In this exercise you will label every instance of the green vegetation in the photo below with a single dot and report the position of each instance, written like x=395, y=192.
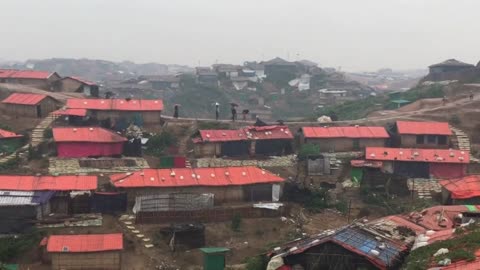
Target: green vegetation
x=157, y=144
x=462, y=247
x=308, y=149
x=48, y=133
x=213, y=125
x=281, y=78
x=357, y=109
x=10, y=165
x=257, y=263
x=13, y=247
x=236, y=223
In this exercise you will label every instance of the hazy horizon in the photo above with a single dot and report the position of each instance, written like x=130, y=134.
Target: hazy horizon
x=354, y=35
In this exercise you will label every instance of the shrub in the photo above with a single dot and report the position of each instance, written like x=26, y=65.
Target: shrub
x=48, y=133
x=454, y=120
x=158, y=143
x=308, y=149
x=257, y=263
x=236, y=223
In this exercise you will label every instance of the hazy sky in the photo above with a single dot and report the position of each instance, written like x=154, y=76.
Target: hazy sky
x=352, y=34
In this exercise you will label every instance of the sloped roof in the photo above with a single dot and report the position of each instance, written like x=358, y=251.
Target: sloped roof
x=55, y=183
x=24, y=74
x=247, y=133
x=184, y=177
x=85, y=243
x=24, y=99
x=463, y=188
x=5, y=134
x=116, y=104
x=417, y=155
x=71, y=112
x=345, y=132
x=24, y=197
x=86, y=134
x=452, y=63
x=78, y=79
x=423, y=128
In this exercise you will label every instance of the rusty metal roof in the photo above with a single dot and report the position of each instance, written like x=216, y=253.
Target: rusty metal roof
x=423, y=128
x=24, y=99
x=86, y=134
x=56, y=183
x=355, y=132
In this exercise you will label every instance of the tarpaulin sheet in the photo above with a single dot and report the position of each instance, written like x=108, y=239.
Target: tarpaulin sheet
x=445, y=171
x=173, y=201
x=109, y=203
x=357, y=175
x=80, y=149
x=179, y=162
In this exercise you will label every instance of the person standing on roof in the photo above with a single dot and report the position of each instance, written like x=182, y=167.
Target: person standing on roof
x=175, y=111
x=217, y=110
x=244, y=114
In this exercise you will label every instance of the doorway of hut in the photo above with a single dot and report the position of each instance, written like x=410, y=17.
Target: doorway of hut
x=39, y=111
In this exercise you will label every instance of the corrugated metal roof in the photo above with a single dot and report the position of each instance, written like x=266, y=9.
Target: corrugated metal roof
x=417, y=155
x=24, y=198
x=57, y=183
x=428, y=218
x=268, y=132
x=71, y=112
x=116, y=104
x=355, y=132
x=85, y=243
x=5, y=134
x=244, y=134
x=24, y=74
x=183, y=177
x=86, y=134
x=222, y=135
x=463, y=188
x=423, y=128
x=24, y=99
x=78, y=79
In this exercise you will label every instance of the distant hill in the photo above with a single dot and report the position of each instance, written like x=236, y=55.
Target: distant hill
x=97, y=70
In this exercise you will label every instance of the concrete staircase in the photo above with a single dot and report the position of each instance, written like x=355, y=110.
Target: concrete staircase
x=462, y=142
x=35, y=139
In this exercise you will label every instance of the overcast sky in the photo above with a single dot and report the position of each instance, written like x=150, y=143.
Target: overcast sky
x=352, y=34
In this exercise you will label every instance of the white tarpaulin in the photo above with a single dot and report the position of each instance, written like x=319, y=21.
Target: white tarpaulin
x=275, y=193
x=272, y=206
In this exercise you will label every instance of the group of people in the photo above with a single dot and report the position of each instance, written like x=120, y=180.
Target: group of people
x=234, y=106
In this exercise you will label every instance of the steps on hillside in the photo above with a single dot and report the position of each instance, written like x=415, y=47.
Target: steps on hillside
x=462, y=142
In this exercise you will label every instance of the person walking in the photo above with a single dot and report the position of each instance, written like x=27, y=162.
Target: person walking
x=471, y=95
x=244, y=114
x=217, y=110
x=175, y=111
x=234, y=113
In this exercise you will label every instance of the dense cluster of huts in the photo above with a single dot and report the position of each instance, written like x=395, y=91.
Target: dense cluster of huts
x=420, y=150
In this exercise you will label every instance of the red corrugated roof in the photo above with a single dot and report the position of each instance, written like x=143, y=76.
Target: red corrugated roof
x=24, y=99
x=345, y=132
x=24, y=74
x=5, y=134
x=423, y=128
x=80, y=80
x=59, y=183
x=222, y=135
x=71, y=112
x=183, y=177
x=247, y=133
x=85, y=243
x=429, y=218
x=268, y=132
x=463, y=188
x=86, y=134
x=417, y=155
x=116, y=104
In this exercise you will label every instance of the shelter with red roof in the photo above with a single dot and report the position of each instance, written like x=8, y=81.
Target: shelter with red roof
x=344, y=139
x=272, y=140
x=225, y=184
x=137, y=111
x=24, y=198
x=74, y=84
x=463, y=190
x=423, y=134
x=85, y=251
x=9, y=141
x=29, y=105
x=420, y=163
x=76, y=142
x=35, y=78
